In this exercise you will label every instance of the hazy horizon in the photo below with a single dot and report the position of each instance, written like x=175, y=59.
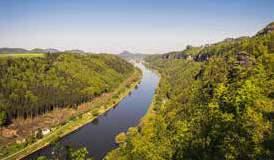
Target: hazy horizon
x=137, y=26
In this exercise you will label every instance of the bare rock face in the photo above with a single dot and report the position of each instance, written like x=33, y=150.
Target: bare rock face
x=202, y=57
x=242, y=58
x=228, y=39
x=268, y=29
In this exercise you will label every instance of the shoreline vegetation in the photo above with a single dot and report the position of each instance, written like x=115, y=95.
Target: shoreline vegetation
x=106, y=102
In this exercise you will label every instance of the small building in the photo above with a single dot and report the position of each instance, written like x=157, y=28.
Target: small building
x=45, y=131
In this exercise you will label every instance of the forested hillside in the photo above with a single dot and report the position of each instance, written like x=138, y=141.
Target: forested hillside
x=30, y=86
x=215, y=102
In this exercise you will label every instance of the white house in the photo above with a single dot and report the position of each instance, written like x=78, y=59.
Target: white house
x=45, y=131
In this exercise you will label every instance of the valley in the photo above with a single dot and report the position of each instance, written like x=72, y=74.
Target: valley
x=137, y=80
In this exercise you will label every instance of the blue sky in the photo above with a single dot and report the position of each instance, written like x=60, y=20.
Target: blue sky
x=144, y=26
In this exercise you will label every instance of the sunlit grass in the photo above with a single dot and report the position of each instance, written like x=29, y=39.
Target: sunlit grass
x=23, y=55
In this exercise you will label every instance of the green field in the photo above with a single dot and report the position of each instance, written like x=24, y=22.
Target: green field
x=22, y=55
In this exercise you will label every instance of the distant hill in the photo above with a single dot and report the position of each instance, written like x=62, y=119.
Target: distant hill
x=125, y=53
x=21, y=50
x=75, y=51
x=51, y=50
x=48, y=50
x=128, y=55
x=38, y=50
x=12, y=50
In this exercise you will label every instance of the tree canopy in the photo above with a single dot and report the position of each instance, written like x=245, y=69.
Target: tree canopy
x=30, y=86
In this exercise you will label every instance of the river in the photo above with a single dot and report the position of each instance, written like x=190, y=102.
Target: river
x=99, y=136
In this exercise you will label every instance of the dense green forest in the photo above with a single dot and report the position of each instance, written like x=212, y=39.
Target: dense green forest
x=30, y=86
x=213, y=102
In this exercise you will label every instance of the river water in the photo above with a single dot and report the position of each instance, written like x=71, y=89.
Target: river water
x=99, y=136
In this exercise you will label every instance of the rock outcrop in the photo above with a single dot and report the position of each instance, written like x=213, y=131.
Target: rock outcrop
x=268, y=29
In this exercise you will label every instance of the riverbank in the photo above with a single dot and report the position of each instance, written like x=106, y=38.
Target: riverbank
x=150, y=112
x=98, y=107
